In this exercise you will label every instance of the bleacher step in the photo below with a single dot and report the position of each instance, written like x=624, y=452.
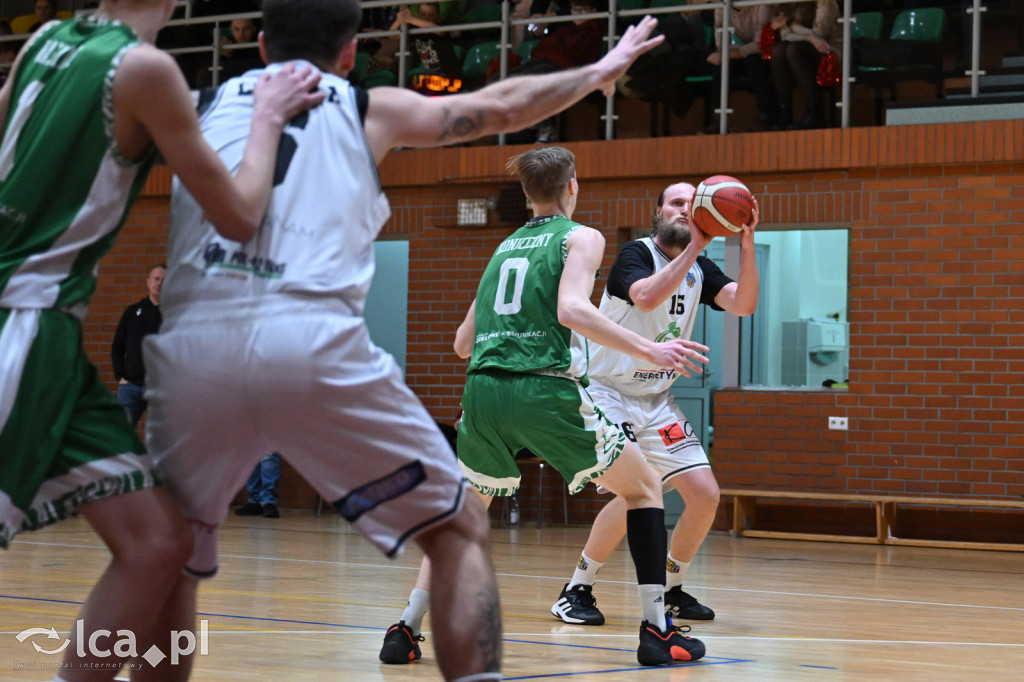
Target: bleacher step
x=956, y=110
x=1014, y=61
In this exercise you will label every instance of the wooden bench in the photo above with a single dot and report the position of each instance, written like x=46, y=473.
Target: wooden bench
x=744, y=517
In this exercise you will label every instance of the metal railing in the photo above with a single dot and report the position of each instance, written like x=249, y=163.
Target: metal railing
x=506, y=25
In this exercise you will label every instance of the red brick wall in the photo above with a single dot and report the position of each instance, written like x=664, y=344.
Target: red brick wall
x=936, y=289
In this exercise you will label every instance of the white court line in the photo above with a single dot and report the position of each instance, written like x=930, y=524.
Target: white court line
x=561, y=579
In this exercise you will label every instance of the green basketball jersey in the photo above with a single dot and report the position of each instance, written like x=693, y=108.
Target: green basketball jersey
x=516, y=323
x=64, y=188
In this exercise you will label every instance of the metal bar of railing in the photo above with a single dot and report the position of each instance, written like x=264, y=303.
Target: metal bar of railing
x=976, y=73
x=726, y=48
x=844, y=98
x=506, y=43
x=610, y=116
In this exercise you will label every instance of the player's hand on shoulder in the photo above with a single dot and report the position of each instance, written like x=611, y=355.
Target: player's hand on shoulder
x=685, y=356
x=288, y=92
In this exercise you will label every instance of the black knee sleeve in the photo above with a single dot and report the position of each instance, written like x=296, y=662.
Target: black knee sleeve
x=648, y=543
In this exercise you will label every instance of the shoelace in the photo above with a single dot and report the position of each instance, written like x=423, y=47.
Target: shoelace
x=681, y=630
x=584, y=596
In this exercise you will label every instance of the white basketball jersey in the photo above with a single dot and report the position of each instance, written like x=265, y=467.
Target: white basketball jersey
x=673, y=319
x=327, y=207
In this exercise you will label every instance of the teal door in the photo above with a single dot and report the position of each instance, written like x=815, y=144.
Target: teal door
x=387, y=302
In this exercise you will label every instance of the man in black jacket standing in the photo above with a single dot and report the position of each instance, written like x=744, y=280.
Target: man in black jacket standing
x=138, y=320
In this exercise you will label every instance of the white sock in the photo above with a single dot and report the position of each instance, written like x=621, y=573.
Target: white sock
x=675, y=572
x=586, y=571
x=416, y=609
x=652, y=598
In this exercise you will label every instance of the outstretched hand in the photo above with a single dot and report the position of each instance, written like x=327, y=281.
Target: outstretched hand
x=634, y=42
x=288, y=92
x=681, y=355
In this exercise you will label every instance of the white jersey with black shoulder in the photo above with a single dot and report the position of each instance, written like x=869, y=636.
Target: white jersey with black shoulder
x=326, y=209
x=674, y=319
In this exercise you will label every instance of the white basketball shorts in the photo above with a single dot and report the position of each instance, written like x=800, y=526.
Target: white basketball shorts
x=227, y=384
x=657, y=425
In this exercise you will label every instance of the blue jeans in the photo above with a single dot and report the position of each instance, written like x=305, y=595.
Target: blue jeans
x=130, y=397
x=262, y=484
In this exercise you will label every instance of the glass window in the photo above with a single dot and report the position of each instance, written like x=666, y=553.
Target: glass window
x=799, y=335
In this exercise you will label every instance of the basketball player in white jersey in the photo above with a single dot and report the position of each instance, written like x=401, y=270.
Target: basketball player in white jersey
x=654, y=289
x=88, y=103
x=263, y=345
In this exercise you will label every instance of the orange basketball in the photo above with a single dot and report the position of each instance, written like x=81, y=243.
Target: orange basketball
x=721, y=206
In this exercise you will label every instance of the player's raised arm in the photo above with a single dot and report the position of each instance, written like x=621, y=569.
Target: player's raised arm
x=740, y=297
x=398, y=117
x=152, y=103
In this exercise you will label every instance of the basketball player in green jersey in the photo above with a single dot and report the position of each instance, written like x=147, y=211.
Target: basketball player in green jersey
x=526, y=388
x=88, y=102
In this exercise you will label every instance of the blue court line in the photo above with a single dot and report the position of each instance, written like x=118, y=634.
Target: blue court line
x=50, y=601
x=820, y=667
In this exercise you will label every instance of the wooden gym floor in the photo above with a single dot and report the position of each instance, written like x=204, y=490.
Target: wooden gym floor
x=301, y=598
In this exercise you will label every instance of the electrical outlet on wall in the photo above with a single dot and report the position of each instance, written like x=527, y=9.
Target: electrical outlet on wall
x=838, y=424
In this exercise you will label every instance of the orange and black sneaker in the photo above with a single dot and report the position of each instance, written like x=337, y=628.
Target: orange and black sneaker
x=659, y=647
x=400, y=645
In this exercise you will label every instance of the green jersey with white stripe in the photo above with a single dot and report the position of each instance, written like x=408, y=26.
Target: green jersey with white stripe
x=516, y=323
x=64, y=188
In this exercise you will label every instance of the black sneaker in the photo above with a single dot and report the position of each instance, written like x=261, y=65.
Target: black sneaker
x=577, y=606
x=400, y=646
x=270, y=511
x=662, y=647
x=249, y=509
x=682, y=606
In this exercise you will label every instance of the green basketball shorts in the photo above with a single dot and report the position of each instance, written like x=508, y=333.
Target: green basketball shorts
x=64, y=440
x=551, y=416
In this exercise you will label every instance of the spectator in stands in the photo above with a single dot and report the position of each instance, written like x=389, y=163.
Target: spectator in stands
x=747, y=22
x=570, y=44
x=567, y=45
x=436, y=51
x=235, y=62
x=661, y=74
x=807, y=32
x=44, y=11
x=196, y=65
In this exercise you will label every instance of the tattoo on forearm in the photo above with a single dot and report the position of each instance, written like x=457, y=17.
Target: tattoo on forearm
x=461, y=126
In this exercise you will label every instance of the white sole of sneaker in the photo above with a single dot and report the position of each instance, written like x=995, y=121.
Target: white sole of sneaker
x=557, y=612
